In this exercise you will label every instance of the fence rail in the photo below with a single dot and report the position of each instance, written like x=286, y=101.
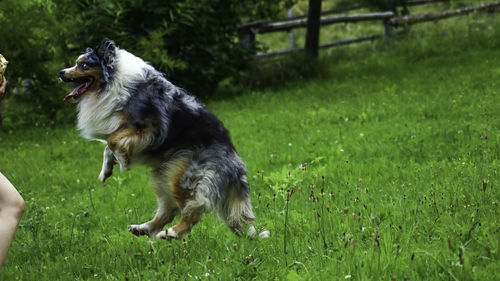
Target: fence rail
x=324, y=45
x=408, y=20
x=247, y=31
x=264, y=27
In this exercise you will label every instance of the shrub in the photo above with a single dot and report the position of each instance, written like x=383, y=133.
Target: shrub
x=193, y=41
x=30, y=43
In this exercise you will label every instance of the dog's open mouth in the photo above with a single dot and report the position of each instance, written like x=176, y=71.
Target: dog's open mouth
x=82, y=85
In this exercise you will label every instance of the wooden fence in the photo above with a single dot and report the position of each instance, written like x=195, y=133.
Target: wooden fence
x=247, y=31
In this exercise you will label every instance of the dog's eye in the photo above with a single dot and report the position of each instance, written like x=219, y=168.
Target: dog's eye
x=83, y=66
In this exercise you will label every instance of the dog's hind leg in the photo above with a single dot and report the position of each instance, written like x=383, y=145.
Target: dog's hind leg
x=171, y=197
x=108, y=162
x=194, y=194
x=189, y=217
x=166, y=212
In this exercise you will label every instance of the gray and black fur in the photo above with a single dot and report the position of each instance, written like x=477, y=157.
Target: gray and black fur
x=142, y=117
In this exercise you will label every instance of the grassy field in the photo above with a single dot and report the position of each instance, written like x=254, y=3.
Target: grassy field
x=389, y=161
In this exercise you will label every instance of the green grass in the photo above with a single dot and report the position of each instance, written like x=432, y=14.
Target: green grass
x=408, y=143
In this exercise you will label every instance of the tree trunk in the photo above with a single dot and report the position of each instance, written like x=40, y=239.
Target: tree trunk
x=313, y=22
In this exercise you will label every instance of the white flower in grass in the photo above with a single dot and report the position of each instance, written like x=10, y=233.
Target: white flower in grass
x=361, y=135
x=348, y=276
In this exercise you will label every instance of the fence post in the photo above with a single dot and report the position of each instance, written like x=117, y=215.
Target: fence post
x=313, y=22
x=292, y=41
x=248, y=39
x=388, y=32
x=247, y=31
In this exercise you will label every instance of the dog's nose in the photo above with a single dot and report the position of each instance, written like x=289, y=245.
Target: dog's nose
x=61, y=74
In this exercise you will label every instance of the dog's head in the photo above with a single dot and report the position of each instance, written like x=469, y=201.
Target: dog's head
x=92, y=70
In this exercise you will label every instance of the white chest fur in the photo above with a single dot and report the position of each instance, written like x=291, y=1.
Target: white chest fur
x=97, y=118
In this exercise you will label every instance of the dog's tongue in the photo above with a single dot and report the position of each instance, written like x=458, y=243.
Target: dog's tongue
x=75, y=92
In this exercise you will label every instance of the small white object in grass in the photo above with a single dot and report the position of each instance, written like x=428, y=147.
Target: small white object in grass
x=251, y=231
x=348, y=276
x=361, y=135
x=264, y=234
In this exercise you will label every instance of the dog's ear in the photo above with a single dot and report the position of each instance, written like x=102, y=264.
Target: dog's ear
x=106, y=51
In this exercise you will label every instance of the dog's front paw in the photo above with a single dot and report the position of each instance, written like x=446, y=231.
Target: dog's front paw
x=168, y=234
x=139, y=229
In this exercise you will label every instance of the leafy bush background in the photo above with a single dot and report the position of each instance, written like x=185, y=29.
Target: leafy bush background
x=194, y=42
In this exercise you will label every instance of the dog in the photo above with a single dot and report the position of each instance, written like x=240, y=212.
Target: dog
x=142, y=117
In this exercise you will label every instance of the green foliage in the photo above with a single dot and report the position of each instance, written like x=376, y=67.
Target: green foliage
x=194, y=42
x=272, y=72
x=30, y=43
x=397, y=6
x=385, y=5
